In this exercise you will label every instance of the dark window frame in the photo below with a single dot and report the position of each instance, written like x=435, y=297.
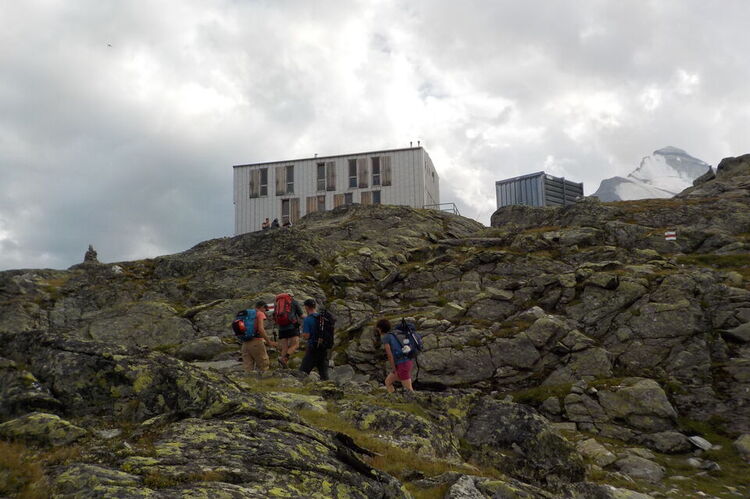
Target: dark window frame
x=263, y=185
x=320, y=180
x=290, y=183
x=352, y=174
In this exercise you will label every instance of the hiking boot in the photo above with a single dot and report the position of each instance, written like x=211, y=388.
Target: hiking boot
x=283, y=361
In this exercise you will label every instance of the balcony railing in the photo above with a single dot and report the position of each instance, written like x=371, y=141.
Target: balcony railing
x=449, y=207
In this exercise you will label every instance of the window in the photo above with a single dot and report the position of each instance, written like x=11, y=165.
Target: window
x=375, y=171
x=338, y=200
x=259, y=182
x=331, y=176
x=280, y=180
x=348, y=198
x=362, y=173
x=352, y=173
x=385, y=170
x=285, y=210
x=316, y=203
x=290, y=179
x=264, y=182
x=289, y=211
x=370, y=197
x=321, y=176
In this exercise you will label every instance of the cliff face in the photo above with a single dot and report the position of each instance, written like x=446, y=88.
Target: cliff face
x=559, y=343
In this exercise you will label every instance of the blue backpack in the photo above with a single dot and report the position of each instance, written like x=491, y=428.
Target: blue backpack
x=244, y=325
x=409, y=340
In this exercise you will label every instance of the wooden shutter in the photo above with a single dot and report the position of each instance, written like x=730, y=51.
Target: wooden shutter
x=385, y=170
x=255, y=183
x=362, y=172
x=312, y=204
x=280, y=180
x=331, y=176
x=338, y=200
x=294, y=210
x=366, y=197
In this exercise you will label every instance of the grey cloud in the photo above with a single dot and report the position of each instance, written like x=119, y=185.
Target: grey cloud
x=130, y=147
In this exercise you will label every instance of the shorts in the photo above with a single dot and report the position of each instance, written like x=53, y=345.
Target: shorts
x=403, y=370
x=288, y=333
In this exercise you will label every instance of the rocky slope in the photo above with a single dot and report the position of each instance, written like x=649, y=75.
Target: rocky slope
x=665, y=173
x=571, y=352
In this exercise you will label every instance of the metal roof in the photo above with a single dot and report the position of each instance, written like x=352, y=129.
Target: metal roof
x=329, y=157
x=537, y=174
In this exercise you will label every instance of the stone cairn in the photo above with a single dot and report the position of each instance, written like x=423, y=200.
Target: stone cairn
x=90, y=256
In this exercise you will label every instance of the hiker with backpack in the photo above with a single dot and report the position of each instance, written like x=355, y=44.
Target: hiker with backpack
x=401, y=344
x=249, y=327
x=317, y=329
x=287, y=315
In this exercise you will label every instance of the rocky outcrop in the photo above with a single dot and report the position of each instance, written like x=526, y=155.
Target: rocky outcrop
x=42, y=428
x=584, y=314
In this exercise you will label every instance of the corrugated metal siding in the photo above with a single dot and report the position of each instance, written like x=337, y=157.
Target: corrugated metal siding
x=537, y=189
x=526, y=190
x=408, y=185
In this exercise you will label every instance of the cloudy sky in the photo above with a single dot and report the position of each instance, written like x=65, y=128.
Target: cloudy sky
x=120, y=120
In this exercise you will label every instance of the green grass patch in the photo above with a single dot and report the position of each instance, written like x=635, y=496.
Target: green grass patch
x=21, y=472
x=510, y=328
x=739, y=263
x=538, y=394
x=391, y=459
x=431, y=493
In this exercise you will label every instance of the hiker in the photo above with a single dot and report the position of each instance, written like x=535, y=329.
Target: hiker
x=254, y=354
x=288, y=315
x=400, y=364
x=275, y=223
x=316, y=354
x=265, y=225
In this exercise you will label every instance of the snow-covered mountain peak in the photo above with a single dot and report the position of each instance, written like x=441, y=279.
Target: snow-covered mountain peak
x=666, y=172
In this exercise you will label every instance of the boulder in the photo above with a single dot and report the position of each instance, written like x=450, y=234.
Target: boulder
x=640, y=468
x=205, y=348
x=543, y=456
x=111, y=483
x=733, y=167
x=403, y=429
x=596, y=452
x=21, y=392
x=464, y=488
x=248, y=452
x=709, y=175
x=641, y=403
x=552, y=406
x=668, y=442
x=742, y=446
x=42, y=428
x=739, y=334
x=140, y=324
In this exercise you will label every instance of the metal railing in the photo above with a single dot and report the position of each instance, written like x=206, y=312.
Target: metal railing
x=449, y=207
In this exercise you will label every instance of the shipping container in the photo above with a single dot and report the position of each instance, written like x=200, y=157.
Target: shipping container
x=537, y=189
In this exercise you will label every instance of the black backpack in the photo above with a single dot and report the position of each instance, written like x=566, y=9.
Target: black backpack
x=326, y=323
x=409, y=339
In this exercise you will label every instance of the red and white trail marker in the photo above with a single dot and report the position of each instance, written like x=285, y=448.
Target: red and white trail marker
x=670, y=235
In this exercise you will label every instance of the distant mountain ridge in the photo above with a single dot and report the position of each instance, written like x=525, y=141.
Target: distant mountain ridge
x=668, y=171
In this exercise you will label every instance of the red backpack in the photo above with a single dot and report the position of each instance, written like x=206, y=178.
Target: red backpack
x=284, y=313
